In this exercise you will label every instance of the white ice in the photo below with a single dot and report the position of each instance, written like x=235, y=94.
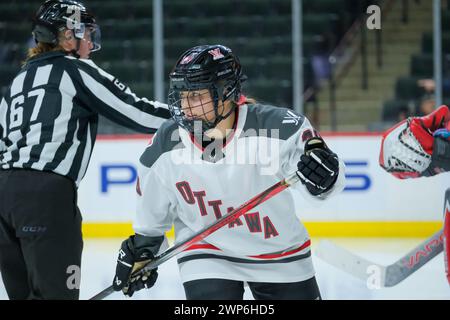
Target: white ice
x=429, y=282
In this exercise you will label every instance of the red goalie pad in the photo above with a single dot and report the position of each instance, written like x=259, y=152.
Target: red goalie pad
x=447, y=233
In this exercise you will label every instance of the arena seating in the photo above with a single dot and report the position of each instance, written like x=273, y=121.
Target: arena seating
x=407, y=88
x=259, y=31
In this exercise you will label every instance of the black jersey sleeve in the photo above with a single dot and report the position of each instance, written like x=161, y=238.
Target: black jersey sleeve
x=103, y=93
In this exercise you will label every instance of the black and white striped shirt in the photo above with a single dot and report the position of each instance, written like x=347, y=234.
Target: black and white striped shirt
x=49, y=115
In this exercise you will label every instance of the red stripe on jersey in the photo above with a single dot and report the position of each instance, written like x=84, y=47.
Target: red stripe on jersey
x=262, y=256
x=284, y=254
x=236, y=119
x=194, y=141
x=242, y=100
x=201, y=246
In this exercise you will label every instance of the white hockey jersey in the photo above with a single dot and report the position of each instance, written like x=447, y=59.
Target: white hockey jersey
x=188, y=186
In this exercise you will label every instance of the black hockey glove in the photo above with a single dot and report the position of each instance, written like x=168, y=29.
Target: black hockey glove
x=134, y=253
x=318, y=168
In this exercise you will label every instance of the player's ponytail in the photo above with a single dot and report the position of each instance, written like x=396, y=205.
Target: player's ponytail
x=42, y=47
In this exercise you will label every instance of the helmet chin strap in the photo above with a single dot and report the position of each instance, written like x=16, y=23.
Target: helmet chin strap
x=225, y=97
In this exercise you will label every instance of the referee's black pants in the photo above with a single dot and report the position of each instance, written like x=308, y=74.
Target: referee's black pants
x=40, y=235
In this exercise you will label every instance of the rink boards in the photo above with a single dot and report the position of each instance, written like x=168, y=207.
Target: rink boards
x=373, y=203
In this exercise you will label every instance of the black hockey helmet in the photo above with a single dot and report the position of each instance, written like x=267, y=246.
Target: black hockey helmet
x=56, y=15
x=212, y=67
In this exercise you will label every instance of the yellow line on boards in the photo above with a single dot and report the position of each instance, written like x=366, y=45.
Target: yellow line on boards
x=394, y=229
x=315, y=229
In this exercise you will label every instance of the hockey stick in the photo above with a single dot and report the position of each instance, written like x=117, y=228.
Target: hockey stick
x=389, y=275
x=200, y=235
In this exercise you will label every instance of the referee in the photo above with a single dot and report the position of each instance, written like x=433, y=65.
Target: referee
x=48, y=126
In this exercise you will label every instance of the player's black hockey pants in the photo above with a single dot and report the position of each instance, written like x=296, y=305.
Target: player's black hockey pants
x=221, y=289
x=40, y=235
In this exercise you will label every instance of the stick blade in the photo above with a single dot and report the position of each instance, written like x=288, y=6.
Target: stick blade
x=415, y=259
x=345, y=260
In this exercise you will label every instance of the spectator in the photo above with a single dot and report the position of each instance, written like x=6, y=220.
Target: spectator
x=426, y=105
x=320, y=62
x=429, y=85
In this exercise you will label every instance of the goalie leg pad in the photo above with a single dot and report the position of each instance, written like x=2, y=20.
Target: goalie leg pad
x=447, y=233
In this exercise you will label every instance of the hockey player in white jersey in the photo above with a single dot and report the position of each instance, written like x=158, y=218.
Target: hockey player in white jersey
x=218, y=151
